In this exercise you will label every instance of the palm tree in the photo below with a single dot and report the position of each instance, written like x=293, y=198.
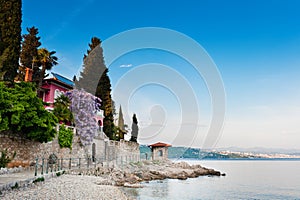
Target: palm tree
x=62, y=111
x=47, y=60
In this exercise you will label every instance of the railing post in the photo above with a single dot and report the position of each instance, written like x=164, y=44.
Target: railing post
x=47, y=166
x=57, y=168
x=42, y=172
x=36, y=166
x=70, y=163
x=61, y=163
x=79, y=162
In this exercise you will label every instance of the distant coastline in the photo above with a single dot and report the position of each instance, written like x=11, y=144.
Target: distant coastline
x=223, y=154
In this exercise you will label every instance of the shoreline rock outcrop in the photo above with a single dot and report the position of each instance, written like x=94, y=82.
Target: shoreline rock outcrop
x=132, y=174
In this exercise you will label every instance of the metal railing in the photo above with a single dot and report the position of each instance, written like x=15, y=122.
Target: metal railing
x=50, y=165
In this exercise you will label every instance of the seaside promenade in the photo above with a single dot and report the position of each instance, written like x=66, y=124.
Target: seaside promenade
x=22, y=178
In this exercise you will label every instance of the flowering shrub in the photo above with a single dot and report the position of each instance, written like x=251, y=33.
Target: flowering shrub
x=84, y=107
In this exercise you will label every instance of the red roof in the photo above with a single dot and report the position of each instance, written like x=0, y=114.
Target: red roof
x=160, y=144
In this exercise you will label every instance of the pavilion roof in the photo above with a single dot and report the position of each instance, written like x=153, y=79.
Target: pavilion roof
x=160, y=144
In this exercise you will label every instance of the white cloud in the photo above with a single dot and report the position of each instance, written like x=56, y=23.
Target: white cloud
x=125, y=65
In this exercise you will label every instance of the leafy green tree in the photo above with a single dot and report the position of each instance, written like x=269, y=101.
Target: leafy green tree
x=22, y=112
x=47, y=60
x=10, y=38
x=29, y=53
x=62, y=109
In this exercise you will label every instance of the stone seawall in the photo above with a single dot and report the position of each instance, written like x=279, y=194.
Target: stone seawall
x=101, y=149
x=27, y=150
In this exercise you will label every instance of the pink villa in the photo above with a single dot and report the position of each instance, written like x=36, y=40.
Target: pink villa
x=57, y=85
x=54, y=87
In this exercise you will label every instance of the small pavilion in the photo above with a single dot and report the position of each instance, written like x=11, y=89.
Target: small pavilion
x=159, y=151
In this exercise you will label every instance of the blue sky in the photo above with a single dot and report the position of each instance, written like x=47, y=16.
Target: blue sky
x=254, y=44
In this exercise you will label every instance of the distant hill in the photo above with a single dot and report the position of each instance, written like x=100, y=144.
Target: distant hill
x=230, y=153
x=184, y=152
x=175, y=152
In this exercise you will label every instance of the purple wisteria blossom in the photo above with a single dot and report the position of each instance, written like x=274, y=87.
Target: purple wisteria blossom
x=84, y=107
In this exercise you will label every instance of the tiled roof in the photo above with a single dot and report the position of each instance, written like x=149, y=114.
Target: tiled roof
x=63, y=79
x=160, y=144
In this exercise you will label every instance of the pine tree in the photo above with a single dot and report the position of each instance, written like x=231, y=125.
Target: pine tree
x=29, y=53
x=10, y=38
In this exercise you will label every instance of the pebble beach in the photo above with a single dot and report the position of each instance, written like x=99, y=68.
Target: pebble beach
x=67, y=187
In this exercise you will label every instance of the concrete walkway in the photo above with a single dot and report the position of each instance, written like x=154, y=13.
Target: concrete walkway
x=23, y=179
x=17, y=176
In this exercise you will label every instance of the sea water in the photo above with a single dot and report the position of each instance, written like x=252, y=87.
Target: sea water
x=244, y=180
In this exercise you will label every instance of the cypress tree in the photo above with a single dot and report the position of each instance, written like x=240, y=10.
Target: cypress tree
x=95, y=80
x=134, y=129
x=93, y=67
x=10, y=38
x=104, y=93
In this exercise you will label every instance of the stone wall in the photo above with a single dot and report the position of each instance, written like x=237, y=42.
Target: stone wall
x=109, y=150
x=28, y=151
x=105, y=150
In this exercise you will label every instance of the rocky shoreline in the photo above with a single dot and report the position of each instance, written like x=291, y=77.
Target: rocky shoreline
x=102, y=182
x=134, y=173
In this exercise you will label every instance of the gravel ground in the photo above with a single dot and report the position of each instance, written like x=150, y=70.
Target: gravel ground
x=67, y=187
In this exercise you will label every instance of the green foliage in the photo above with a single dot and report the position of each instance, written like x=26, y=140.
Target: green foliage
x=21, y=111
x=134, y=129
x=10, y=38
x=62, y=111
x=40, y=179
x=95, y=42
x=93, y=67
x=29, y=53
x=16, y=186
x=47, y=60
x=5, y=159
x=65, y=137
x=104, y=93
x=30, y=45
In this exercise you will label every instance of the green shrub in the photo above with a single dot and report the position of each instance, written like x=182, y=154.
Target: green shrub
x=5, y=159
x=22, y=111
x=40, y=179
x=65, y=137
x=15, y=186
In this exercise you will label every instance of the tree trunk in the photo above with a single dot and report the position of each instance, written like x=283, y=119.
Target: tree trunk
x=42, y=75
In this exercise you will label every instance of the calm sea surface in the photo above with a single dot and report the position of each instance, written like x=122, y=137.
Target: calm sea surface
x=243, y=180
